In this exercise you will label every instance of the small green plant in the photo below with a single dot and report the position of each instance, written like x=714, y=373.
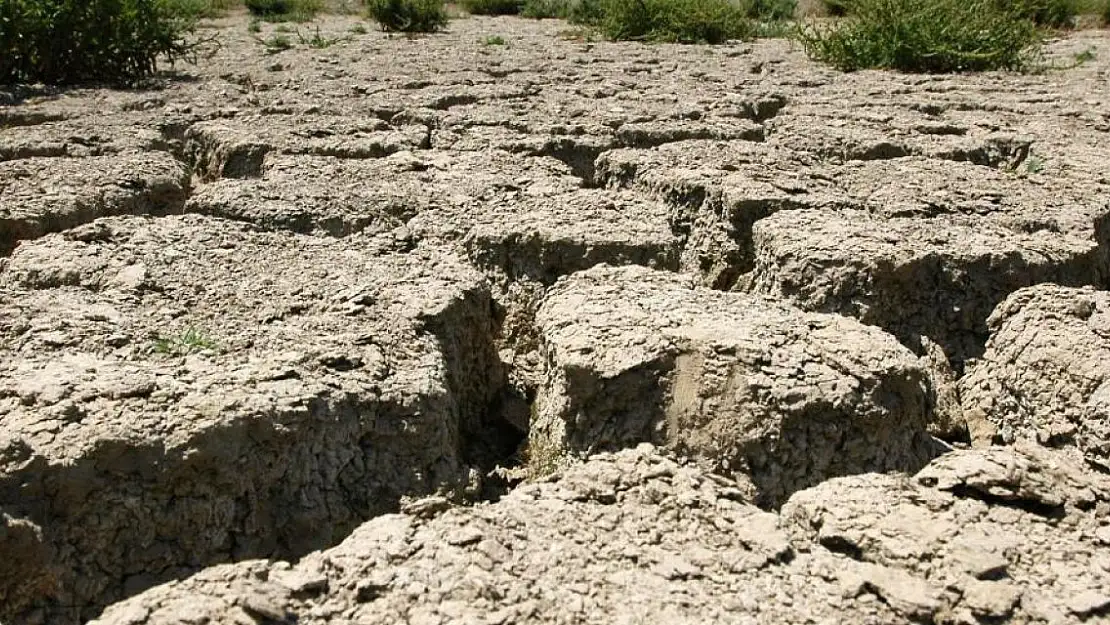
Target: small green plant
x=1087, y=55
x=318, y=41
x=110, y=41
x=283, y=28
x=491, y=7
x=358, y=29
x=409, y=16
x=772, y=10
x=285, y=10
x=674, y=21
x=494, y=40
x=255, y=26
x=276, y=43
x=189, y=341
x=934, y=36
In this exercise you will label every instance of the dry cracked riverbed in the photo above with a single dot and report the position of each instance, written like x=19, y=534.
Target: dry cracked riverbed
x=436, y=331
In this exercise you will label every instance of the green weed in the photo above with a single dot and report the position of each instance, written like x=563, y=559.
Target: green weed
x=934, y=36
x=318, y=41
x=675, y=21
x=491, y=7
x=189, y=341
x=285, y=10
x=276, y=43
x=409, y=16
x=255, y=26
x=494, y=40
x=113, y=41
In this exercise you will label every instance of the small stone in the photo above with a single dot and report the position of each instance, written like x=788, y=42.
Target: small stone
x=993, y=599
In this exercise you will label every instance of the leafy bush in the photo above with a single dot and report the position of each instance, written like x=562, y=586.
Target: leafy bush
x=1050, y=13
x=772, y=10
x=576, y=11
x=837, y=8
x=409, y=16
x=113, y=41
x=933, y=36
x=677, y=21
x=491, y=7
x=285, y=10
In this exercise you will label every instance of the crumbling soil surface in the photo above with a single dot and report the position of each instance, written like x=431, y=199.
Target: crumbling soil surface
x=436, y=330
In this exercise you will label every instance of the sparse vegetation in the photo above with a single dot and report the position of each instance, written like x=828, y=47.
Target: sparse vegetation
x=1049, y=13
x=1106, y=13
x=319, y=41
x=285, y=10
x=255, y=26
x=189, y=341
x=113, y=41
x=494, y=40
x=676, y=21
x=276, y=43
x=409, y=16
x=772, y=10
x=934, y=36
x=359, y=29
x=208, y=8
x=491, y=7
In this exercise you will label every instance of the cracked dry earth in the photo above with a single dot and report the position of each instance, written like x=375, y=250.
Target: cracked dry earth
x=434, y=331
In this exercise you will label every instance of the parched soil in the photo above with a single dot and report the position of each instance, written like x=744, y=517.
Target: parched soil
x=433, y=330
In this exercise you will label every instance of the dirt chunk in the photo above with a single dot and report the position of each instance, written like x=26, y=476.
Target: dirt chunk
x=606, y=541
x=939, y=278
x=164, y=409
x=978, y=535
x=43, y=195
x=236, y=149
x=755, y=387
x=1046, y=373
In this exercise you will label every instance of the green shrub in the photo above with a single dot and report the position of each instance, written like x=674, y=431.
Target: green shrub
x=677, y=21
x=112, y=41
x=1050, y=13
x=409, y=16
x=491, y=7
x=1106, y=13
x=285, y=10
x=772, y=10
x=934, y=36
x=576, y=11
x=836, y=8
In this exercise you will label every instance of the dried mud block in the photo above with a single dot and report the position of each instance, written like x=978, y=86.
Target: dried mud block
x=182, y=391
x=543, y=238
x=78, y=138
x=990, y=535
x=915, y=187
x=660, y=132
x=43, y=195
x=777, y=396
x=869, y=134
x=1046, y=372
x=938, y=278
x=339, y=197
x=237, y=148
x=717, y=191
x=609, y=541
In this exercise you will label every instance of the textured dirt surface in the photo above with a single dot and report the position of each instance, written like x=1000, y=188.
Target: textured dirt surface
x=635, y=537
x=301, y=336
